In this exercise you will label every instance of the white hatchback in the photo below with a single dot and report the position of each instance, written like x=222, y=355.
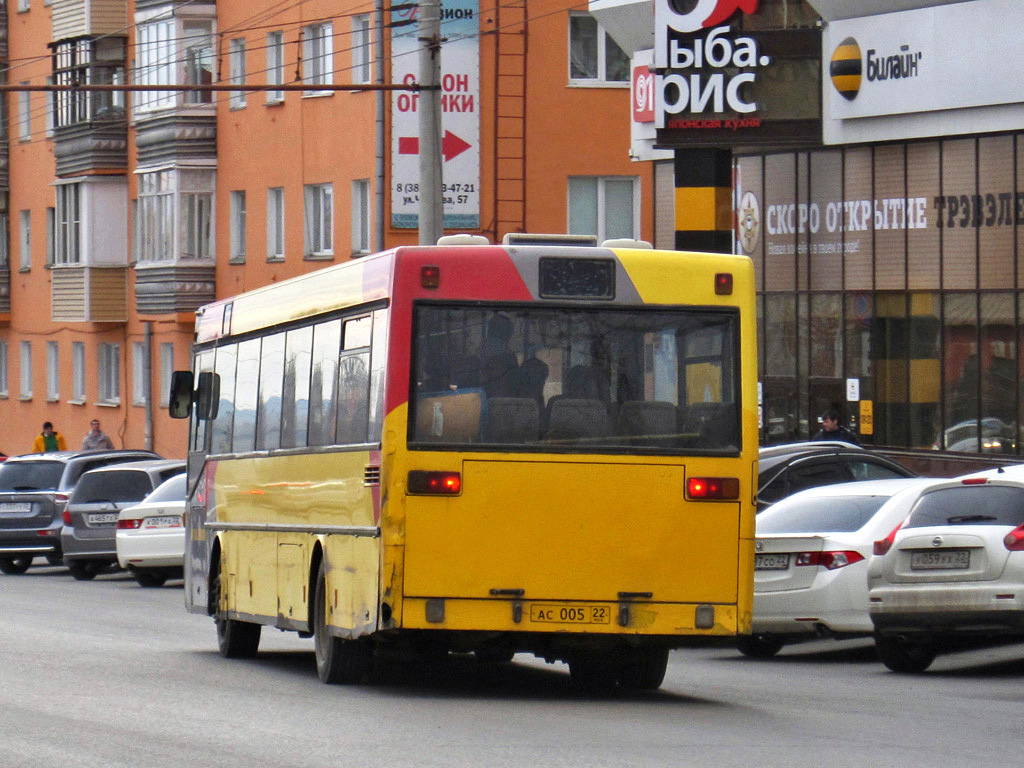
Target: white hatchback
x=952, y=573
x=151, y=535
x=810, y=561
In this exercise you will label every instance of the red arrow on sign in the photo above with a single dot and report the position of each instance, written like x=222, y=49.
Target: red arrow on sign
x=451, y=145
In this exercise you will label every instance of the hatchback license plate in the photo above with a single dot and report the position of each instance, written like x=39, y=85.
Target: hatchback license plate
x=771, y=561
x=16, y=506
x=940, y=560
x=570, y=614
x=101, y=518
x=165, y=521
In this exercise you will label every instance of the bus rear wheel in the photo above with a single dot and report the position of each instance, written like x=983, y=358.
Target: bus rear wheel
x=338, y=661
x=235, y=639
x=644, y=669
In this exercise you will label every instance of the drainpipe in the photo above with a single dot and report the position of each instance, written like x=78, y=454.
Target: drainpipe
x=147, y=375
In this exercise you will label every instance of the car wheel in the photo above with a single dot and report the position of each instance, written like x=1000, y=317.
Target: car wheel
x=235, y=639
x=15, y=565
x=644, y=669
x=759, y=646
x=901, y=656
x=148, y=578
x=337, y=660
x=83, y=570
x=55, y=558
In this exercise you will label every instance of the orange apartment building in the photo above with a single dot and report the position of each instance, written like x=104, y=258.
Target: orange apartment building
x=123, y=213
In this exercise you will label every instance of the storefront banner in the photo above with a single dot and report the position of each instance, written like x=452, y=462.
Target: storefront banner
x=939, y=58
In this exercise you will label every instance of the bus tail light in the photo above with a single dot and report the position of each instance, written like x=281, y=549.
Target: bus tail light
x=430, y=276
x=434, y=483
x=829, y=560
x=713, y=488
x=129, y=525
x=723, y=284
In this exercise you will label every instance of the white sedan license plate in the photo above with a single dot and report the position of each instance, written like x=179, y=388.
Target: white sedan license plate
x=101, y=518
x=165, y=521
x=771, y=561
x=940, y=560
x=570, y=614
x=16, y=506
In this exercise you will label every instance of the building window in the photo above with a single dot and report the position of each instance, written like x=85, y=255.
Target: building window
x=68, y=224
x=361, y=50
x=156, y=53
x=317, y=56
x=51, y=107
x=275, y=224
x=184, y=196
x=319, y=220
x=198, y=60
x=238, y=226
x=24, y=114
x=3, y=370
x=23, y=5
x=275, y=65
x=95, y=62
x=51, y=233
x=196, y=201
x=25, y=240
x=3, y=239
x=361, y=216
x=77, y=372
x=237, y=63
x=166, y=371
x=138, y=373
x=26, y=370
x=109, y=366
x=155, y=216
x=593, y=56
x=52, y=371
x=605, y=206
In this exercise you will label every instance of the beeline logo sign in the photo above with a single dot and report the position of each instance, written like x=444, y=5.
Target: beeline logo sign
x=694, y=15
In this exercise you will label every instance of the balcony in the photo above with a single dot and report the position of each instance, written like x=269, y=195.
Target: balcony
x=170, y=288
x=176, y=136
x=87, y=147
x=83, y=294
x=5, y=289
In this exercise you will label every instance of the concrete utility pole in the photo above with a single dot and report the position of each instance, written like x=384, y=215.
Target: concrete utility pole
x=431, y=213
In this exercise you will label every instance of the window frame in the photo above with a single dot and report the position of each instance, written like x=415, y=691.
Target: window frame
x=68, y=246
x=275, y=224
x=236, y=64
x=601, y=206
x=361, y=217
x=108, y=374
x=139, y=393
x=24, y=240
x=600, y=55
x=237, y=221
x=77, y=372
x=5, y=369
x=275, y=65
x=318, y=220
x=318, y=57
x=362, y=48
x=25, y=370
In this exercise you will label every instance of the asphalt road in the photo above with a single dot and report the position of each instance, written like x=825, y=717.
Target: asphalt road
x=107, y=674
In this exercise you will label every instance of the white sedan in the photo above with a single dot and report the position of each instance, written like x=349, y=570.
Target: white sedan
x=151, y=535
x=811, y=558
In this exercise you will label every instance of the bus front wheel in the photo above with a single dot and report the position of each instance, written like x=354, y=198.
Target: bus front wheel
x=337, y=660
x=235, y=639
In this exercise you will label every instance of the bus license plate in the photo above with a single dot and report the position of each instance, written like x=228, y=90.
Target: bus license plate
x=771, y=561
x=553, y=613
x=940, y=560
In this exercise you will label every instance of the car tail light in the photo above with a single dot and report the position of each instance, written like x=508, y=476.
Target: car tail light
x=61, y=498
x=1014, y=540
x=129, y=525
x=713, y=488
x=974, y=480
x=829, y=560
x=66, y=517
x=434, y=483
x=882, y=546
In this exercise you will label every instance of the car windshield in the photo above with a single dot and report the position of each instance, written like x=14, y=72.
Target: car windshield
x=969, y=505
x=30, y=475
x=544, y=379
x=114, y=487
x=819, y=514
x=170, y=490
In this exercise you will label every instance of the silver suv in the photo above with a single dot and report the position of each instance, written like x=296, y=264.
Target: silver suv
x=34, y=489
x=89, y=536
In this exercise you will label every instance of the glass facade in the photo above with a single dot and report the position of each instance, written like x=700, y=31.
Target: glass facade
x=887, y=279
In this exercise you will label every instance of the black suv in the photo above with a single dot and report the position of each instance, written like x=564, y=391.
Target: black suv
x=786, y=469
x=34, y=489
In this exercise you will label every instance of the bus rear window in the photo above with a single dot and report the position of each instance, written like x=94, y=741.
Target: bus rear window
x=601, y=380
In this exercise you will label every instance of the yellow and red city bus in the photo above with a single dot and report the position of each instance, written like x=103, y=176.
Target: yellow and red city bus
x=479, y=448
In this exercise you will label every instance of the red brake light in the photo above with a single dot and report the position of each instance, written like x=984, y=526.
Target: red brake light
x=974, y=480
x=1014, y=540
x=723, y=284
x=66, y=517
x=129, y=525
x=430, y=276
x=434, y=483
x=713, y=488
x=829, y=560
x=882, y=546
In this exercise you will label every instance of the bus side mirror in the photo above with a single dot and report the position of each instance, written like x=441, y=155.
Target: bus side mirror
x=207, y=396
x=180, y=402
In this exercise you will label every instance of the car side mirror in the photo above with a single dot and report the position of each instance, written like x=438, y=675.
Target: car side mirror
x=179, y=404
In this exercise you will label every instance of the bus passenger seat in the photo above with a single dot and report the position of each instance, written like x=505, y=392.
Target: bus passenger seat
x=573, y=419
x=512, y=420
x=641, y=421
